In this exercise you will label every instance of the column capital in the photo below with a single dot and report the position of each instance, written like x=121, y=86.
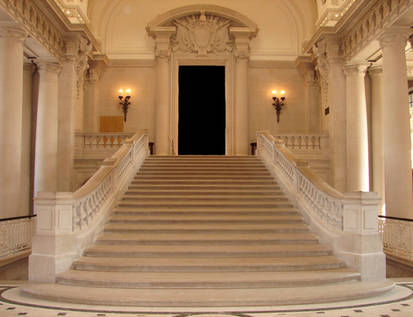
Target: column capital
x=306, y=69
x=12, y=30
x=162, y=37
x=49, y=66
x=356, y=68
x=394, y=36
x=242, y=37
x=375, y=71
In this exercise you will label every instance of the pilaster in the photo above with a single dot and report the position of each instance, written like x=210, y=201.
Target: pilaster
x=307, y=71
x=162, y=37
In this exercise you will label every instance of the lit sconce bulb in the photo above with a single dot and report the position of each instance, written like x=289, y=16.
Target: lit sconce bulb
x=282, y=92
x=274, y=93
x=128, y=91
x=120, y=91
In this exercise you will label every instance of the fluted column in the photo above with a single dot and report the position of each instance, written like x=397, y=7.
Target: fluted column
x=356, y=127
x=11, y=101
x=46, y=160
x=162, y=37
x=241, y=134
x=396, y=125
x=377, y=182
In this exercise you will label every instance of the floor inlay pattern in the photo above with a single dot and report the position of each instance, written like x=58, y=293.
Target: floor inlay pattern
x=398, y=303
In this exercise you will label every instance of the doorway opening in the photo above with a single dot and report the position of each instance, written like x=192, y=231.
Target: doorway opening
x=201, y=122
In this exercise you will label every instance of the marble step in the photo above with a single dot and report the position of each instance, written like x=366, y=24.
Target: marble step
x=207, y=264
x=128, y=238
x=158, y=211
x=207, y=251
x=207, y=217
x=206, y=172
x=225, y=298
x=196, y=181
x=208, y=227
x=205, y=279
x=206, y=187
x=206, y=198
x=179, y=176
x=203, y=204
x=208, y=222
x=185, y=168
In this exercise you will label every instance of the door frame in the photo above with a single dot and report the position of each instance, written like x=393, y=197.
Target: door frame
x=182, y=60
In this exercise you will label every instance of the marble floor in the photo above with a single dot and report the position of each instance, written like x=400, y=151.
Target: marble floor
x=397, y=303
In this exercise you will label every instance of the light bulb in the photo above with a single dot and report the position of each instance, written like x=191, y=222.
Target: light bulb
x=274, y=92
x=120, y=91
x=282, y=92
x=128, y=91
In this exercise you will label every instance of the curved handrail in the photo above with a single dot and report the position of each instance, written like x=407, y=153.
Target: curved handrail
x=346, y=221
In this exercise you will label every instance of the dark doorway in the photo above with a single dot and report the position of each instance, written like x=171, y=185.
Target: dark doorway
x=201, y=128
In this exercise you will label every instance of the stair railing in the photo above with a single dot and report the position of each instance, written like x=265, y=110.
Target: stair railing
x=347, y=222
x=68, y=222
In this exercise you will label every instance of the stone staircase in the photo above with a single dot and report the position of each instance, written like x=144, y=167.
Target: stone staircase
x=206, y=231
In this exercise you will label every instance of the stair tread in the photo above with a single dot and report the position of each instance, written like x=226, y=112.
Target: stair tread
x=185, y=262
x=227, y=226
x=205, y=217
x=163, y=278
x=202, y=237
x=179, y=297
x=120, y=248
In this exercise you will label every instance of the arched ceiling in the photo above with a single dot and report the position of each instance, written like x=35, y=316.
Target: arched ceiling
x=284, y=24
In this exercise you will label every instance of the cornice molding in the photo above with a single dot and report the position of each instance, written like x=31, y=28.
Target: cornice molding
x=361, y=25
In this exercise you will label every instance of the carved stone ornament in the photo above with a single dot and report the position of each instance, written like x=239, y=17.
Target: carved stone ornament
x=202, y=34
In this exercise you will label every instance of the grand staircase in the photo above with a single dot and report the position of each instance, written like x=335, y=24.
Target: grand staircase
x=206, y=231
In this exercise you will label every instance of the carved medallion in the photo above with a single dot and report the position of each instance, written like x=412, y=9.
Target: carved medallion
x=202, y=34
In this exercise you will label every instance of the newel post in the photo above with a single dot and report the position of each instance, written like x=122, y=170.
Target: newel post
x=361, y=245
x=53, y=248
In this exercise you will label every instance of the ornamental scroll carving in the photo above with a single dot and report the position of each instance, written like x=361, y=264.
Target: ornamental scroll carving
x=202, y=35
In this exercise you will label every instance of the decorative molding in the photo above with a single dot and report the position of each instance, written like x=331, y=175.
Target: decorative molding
x=369, y=27
x=36, y=24
x=48, y=66
x=202, y=34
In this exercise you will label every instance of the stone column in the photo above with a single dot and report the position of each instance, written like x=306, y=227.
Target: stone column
x=162, y=37
x=377, y=182
x=46, y=172
x=336, y=98
x=242, y=38
x=11, y=101
x=356, y=127
x=396, y=125
x=312, y=93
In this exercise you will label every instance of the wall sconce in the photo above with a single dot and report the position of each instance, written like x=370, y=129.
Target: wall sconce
x=278, y=103
x=124, y=102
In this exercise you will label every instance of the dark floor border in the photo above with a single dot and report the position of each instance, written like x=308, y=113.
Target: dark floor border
x=189, y=313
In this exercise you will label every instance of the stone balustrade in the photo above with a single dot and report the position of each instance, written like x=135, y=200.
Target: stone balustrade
x=397, y=236
x=16, y=236
x=345, y=221
x=308, y=142
x=98, y=145
x=69, y=222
